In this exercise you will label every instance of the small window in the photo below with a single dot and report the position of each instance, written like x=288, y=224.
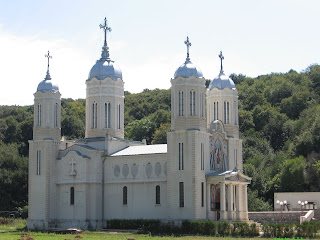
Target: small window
x=125, y=195
x=72, y=196
x=181, y=194
x=157, y=194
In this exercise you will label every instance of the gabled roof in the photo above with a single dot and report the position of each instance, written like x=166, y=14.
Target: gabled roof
x=141, y=150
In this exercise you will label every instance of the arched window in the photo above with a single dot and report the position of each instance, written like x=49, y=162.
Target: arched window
x=181, y=163
x=107, y=117
x=94, y=115
x=125, y=195
x=157, y=194
x=119, y=117
x=39, y=115
x=38, y=162
x=202, y=104
x=226, y=112
x=192, y=103
x=215, y=110
x=56, y=115
x=72, y=196
x=181, y=103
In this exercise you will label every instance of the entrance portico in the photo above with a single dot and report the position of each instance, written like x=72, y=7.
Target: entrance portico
x=227, y=198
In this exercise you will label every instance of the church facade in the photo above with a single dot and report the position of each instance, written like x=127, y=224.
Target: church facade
x=196, y=175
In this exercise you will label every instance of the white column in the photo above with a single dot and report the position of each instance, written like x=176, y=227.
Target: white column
x=209, y=213
x=222, y=201
x=245, y=202
x=238, y=202
x=230, y=202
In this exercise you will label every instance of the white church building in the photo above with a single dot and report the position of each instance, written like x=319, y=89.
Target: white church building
x=196, y=175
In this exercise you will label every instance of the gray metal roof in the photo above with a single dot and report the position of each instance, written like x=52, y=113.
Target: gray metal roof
x=142, y=150
x=187, y=70
x=222, y=82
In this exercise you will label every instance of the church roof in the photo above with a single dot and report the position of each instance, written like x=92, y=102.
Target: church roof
x=141, y=150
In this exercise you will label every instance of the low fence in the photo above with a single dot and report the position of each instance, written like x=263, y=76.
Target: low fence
x=277, y=217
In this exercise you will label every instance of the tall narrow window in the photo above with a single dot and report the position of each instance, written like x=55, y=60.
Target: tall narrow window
x=224, y=113
x=181, y=167
x=202, y=194
x=107, y=115
x=227, y=112
x=202, y=156
x=72, y=196
x=180, y=103
x=38, y=162
x=235, y=112
x=217, y=110
x=56, y=115
x=92, y=125
x=39, y=115
x=96, y=116
x=192, y=103
x=181, y=194
x=202, y=104
x=214, y=111
x=119, y=119
x=125, y=195
x=157, y=194
x=236, y=158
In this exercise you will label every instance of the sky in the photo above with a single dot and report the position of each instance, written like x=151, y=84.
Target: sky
x=147, y=40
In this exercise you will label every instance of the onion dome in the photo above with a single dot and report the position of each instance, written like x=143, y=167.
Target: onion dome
x=222, y=81
x=105, y=67
x=188, y=69
x=47, y=84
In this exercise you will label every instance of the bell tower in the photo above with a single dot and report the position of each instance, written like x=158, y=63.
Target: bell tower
x=105, y=96
x=43, y=152
x=187, y=142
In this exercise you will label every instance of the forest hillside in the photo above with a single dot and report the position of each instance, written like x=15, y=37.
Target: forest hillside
x=279, y=116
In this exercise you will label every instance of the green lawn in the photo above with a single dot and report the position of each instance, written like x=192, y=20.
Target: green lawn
x=16, y=230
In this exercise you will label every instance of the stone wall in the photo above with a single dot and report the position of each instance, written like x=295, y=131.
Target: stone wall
x=276, y=217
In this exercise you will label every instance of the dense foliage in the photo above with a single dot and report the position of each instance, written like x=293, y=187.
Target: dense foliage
x=279, y=116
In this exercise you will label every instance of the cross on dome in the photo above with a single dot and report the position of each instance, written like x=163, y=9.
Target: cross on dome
x=188, y=43
x=48, y=74
x=105, y=49
x=105, y=29
x=221, y=58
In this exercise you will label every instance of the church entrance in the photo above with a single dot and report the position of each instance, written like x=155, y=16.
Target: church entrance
x=215, y=199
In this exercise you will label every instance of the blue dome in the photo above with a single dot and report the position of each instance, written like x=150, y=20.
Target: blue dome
x=105, y=68
x=187, y=70
x=47, y=85
x=222, y=82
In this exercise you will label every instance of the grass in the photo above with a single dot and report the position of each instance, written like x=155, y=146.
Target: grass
x=15, y=230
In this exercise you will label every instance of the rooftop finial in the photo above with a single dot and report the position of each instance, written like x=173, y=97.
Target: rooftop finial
x=105, y=48
x=188, y=43
x=221, y=58
x=48, y=74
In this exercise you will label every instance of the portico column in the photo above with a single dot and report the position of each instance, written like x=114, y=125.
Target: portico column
x=230, y=202
x=208, y=202
x=223, y=201
x=245, y=202
x=238, y=202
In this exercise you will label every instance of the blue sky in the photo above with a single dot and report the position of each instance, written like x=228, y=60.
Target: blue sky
x=146, y=42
